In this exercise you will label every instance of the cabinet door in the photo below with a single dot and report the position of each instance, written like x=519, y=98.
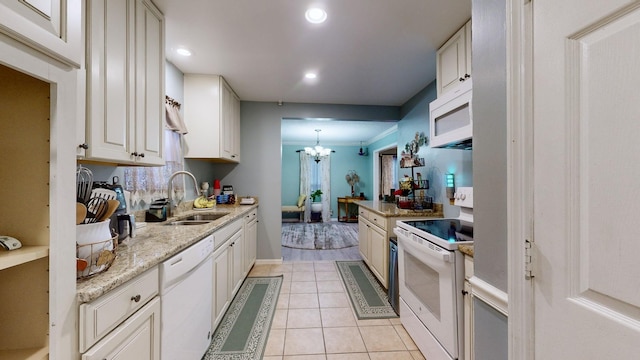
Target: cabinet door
x=149, y=84
x=236, y=125
x=468, y=322
x=251, y=243
x=363, y=239
x=221, y=286
x=451, y=62
x=237, y=275
x=138, y=338
x=110, y=112
x=228, y=127
x=202, y=103
x=51, y=26
x=467, y=47
x=379, y=250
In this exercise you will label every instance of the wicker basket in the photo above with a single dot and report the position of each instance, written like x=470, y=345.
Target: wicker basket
x=98, y=255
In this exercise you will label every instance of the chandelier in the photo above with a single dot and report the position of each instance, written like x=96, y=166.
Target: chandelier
x=317, y=151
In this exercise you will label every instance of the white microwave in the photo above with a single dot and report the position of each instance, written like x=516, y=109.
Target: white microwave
x=451, y=119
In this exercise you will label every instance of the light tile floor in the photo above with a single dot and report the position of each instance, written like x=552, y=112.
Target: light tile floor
x=314, y=319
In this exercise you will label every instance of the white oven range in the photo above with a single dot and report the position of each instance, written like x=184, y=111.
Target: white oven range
x=431, y=279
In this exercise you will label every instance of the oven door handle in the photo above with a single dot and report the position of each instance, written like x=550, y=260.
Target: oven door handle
x=417, y=244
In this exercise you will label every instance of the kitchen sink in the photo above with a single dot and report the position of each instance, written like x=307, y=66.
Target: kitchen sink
x=198, y=219
x=188, y=222
x=205, y=217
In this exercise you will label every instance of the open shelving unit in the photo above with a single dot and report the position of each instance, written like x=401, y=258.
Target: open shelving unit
x=416, y=200
x=24, y=188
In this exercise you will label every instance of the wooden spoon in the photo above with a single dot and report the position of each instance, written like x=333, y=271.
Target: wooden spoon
x=81, y=213
x=112, y=206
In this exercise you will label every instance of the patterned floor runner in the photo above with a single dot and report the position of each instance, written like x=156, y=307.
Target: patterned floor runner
x=320, y=236
x=243, y=330
x=368, y=297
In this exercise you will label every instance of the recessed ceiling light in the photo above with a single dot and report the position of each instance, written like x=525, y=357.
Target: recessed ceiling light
x=315, y=15
x=184, y=52
x=310, y=75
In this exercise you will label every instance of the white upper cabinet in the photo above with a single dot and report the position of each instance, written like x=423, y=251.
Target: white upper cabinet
x=212, y=116
x=53, y=27
x=453, y=60
x=125, y=82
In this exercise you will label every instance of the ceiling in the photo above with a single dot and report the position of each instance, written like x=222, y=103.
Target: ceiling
x=368, y=52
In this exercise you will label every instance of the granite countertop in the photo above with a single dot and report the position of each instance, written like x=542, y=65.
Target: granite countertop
x=387, y=209
x=153, y=244
x=466, y=249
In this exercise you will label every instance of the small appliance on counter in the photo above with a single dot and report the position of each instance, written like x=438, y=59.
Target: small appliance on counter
x=122, y=221
x=157, y=211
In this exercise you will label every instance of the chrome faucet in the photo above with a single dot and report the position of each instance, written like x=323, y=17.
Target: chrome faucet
x=170, y=189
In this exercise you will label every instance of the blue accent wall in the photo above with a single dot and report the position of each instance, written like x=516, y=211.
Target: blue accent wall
x=438, y=162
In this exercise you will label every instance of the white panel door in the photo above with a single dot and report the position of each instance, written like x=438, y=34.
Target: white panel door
x=586, y=178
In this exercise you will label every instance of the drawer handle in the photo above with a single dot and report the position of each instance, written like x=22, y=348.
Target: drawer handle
x=136, y=298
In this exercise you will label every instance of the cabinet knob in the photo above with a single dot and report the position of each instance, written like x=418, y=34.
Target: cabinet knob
x=461, y=79
x=466, y=76
x=83, y=146
x=141, y=155
x=134, y=154
x=136, y=298
x=465, y=292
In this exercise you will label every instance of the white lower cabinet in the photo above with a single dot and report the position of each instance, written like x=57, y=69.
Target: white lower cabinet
x=228, y=260
x=137, y=338
x=374, y=249
x=124, y=323
x=363, y=239
x=221, y=297
x=236, y=246
x=468, y=309
x=373, y=243
x=250, y=239
x=379, y=254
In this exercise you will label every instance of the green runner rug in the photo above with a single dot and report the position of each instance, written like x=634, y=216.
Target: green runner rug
x=368, y=297
x=244, y=328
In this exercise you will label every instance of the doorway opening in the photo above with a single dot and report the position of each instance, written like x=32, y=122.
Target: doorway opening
x=385, y=171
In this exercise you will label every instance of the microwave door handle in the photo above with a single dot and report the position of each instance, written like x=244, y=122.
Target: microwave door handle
x=441, y=255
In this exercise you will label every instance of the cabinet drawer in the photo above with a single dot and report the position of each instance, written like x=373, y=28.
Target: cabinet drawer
x=378, y=220
x=363, y=213
x=99, y=317
x=137, y=338
x=221, y=236
x=251, y=216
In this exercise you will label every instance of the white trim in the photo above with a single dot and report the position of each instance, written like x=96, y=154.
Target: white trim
x=519, y=175
x=268, y=261
x=380, y=136
x=490, y=295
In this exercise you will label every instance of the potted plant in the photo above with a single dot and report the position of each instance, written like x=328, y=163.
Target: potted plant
x=316, y=205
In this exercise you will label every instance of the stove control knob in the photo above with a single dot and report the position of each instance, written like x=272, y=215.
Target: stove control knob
x=463, y=196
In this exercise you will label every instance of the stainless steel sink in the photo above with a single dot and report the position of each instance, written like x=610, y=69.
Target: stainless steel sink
x=205, y=217
x=188, y=222
x=197, y=219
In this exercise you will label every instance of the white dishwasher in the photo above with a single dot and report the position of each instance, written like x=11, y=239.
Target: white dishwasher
x=186, y=295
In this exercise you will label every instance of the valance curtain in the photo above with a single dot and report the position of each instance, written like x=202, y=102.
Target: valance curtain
x=150, y=183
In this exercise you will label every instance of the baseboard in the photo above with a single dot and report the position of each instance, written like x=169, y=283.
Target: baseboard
x=268, y=261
